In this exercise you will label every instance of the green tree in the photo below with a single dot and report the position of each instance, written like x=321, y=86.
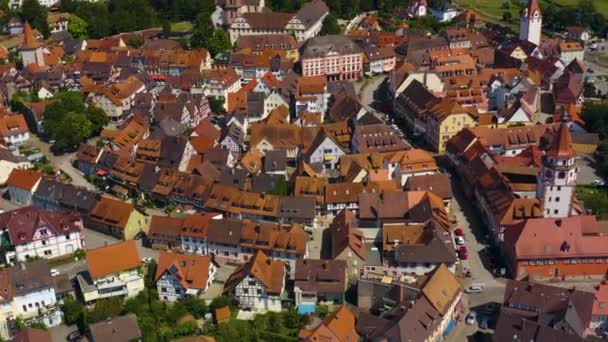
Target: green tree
x=77, y=26
x=97, y=16
x=198, y=39
x=186, y=328
x=330, y=25
x=202, y=31
x=98, y=119
x=36, y=14
x=71, y=130
x=506, y=16
x=122, y=21
x=105, y=309
x=69, y=121
x=38, y=325
x=72, y=310
x=219, y=302
x=196, y=306
x=216, y=104
x=219, y=42
x=166, y=28
x=281, y=187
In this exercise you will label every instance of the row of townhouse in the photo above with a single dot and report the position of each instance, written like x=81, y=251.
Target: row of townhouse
x=61, y=211
x=227, y=239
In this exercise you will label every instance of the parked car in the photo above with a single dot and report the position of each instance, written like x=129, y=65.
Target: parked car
x=463, y=254
x=598, y=182
x=54, y=272
x=471, y=318
x=490, y=308
x=74, y=336
x=459, y=240
x=473, y=289
x=484, y=323
x=146, y=260
x=459, y=232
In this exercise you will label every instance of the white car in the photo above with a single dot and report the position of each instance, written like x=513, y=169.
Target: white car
x=484, y=323
x=459, y=240
x=146, y=260
x=471, y=318
x=473, y=289
x=54, y=272
x=598, y=182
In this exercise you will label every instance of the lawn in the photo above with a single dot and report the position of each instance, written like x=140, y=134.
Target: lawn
x=492, y=9
x=181, y=27
x=600, y=5
x=594, y=198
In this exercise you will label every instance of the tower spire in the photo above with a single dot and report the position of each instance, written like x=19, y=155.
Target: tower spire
x=533, y=7
x=29, y=41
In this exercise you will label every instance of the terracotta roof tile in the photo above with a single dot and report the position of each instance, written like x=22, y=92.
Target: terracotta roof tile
x=121, y=256
x=13, y=124
x=192, y=271
x=270, y=273
x=112, y=212
x=24, y=179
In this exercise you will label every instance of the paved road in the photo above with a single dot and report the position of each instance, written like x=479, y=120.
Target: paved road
x=468, y=218
x=368, y=90
x=64, y=162
x=60, y=332
x=587, y=169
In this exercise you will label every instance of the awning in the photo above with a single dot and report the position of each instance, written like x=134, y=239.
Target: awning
x=328, y=158
x=304, y=309
x=449, y=328
x=101, y=172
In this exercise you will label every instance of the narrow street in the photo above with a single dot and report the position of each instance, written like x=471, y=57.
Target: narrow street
x=468, y=219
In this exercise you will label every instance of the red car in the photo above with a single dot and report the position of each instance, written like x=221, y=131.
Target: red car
x=463, y=253
x=459, y=232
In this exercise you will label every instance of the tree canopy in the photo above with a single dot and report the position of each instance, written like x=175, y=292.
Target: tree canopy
x=69, y=121
x=330, y=25
x=78, y=27
x=36, y=14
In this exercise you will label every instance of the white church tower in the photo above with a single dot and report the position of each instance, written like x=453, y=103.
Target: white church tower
x=557, y=177
x=531, y=22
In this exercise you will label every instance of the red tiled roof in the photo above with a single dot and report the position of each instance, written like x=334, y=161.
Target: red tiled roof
x=192, y=270
x=112, y=259
x=561, y=145
x=23, y=223
x=575, y=236
x=23, y=179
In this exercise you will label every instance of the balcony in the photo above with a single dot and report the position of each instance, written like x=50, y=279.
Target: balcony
x=112, y=291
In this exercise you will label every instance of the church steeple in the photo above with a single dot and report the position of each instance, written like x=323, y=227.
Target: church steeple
x=557, y=176
x=531, y=22
x=29, y=41
x=31, y=49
